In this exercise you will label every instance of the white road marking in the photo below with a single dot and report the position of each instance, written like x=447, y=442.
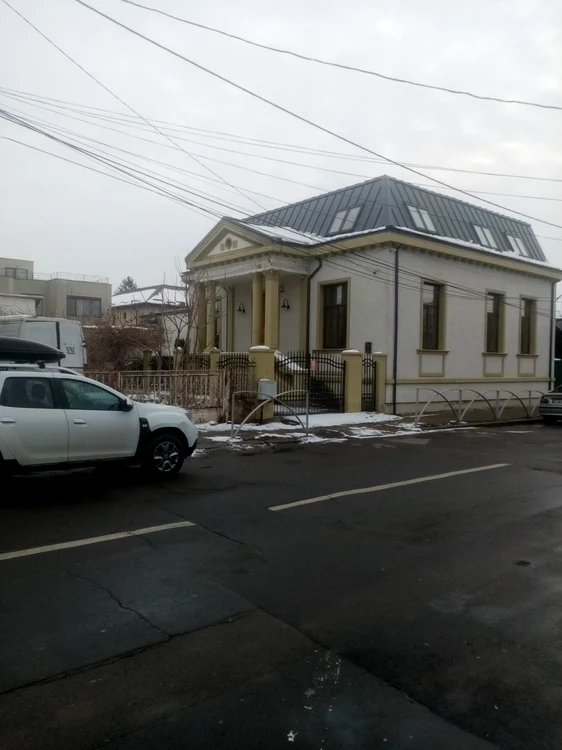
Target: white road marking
x=93, y=540
x=381, y=487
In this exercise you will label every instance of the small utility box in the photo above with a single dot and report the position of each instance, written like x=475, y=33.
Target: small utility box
x=266, y=389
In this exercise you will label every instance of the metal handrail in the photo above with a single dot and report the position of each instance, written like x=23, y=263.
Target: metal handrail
x=269, y=400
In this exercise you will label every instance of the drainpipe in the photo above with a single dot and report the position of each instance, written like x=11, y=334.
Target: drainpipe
x=552, y=336
x=308, y=285
x=395, y=345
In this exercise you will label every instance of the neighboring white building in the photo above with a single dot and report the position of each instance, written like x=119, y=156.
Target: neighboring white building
x=56, y=295
x=163, y=304
x=17, y=304
x=466, y=293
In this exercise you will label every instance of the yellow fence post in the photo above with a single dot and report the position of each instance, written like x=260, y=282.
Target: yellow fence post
x=353, y=379
x=380, y=382
x=214, y=355
x=264, y=359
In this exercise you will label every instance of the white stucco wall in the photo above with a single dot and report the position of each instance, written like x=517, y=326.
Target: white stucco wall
x=289, y=320
x=371, y=316
x=242, y=321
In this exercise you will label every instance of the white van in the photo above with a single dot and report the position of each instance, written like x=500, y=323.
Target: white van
x=65, y=335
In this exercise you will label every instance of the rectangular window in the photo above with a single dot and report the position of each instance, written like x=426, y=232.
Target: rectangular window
x=27, y=393
x=526, y=332
x=517, y=245
x=83, y=307
x=344, y=221
x=432, y=295
x=422, y=219
x=334, y=316
x=494, y=319
x=17, y=273
x=485, y=236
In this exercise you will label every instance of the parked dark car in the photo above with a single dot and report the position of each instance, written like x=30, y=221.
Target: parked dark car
x=550, y=407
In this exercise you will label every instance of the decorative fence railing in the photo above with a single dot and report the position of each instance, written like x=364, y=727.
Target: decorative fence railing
x=368, y=385
x=320, y=374
x=196, y=390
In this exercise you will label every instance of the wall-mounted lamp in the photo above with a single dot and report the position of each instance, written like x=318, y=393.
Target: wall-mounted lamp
x=285, y=305
x=241, y=308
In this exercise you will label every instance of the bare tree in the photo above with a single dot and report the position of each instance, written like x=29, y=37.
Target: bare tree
x=113, y=345
x=183, y=329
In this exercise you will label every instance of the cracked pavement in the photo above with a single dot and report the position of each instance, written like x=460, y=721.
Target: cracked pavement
x=426, y=617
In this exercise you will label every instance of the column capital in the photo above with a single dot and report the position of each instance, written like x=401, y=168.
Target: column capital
x=271, y=273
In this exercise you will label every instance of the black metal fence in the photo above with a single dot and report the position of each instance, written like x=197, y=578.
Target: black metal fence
x=321, y=375
x=239, y=369
x=369, y=385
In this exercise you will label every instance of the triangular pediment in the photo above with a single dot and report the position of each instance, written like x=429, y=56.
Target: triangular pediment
x=226, y=239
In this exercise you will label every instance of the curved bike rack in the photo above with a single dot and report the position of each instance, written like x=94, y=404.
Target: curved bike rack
x=269, y=400
x=460, y=413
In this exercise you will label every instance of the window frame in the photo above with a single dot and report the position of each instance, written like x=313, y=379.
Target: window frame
x=517, y=245
x=422, y=219
x=532, y=327
x=440, y=286
x=66, y=403
x=495, y=293
x=15, y=270
x=489, y=239
x=321, y=328
x=345, y=224
x=46, y=380
x=77, y=297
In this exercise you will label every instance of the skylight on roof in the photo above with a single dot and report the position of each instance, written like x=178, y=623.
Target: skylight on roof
x=518, y=246
x=422, y=219
x=485, y=236
x=344, y=221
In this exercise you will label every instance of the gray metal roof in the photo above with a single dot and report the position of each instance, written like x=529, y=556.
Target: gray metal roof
x=384, y=202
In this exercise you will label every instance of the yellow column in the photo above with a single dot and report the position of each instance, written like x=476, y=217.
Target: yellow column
x=257, y=322
x=211, y=315
x=272, y=309
x=353, y=379
x=380, y=382
x=200, y=323
x=264, y=359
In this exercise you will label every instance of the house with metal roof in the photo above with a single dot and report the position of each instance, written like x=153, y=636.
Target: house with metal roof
x=443, y=293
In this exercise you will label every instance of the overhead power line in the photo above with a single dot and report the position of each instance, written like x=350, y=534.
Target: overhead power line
x=313, y=124
x=119, y=99
x=342, y=66
x=365, y=266
x=128, y=121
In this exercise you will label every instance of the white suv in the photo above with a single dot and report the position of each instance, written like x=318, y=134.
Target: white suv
x=54, y=418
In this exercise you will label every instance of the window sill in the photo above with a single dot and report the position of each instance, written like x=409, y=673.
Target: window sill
x=433, y=351
x=527, y=356
x=494, y=354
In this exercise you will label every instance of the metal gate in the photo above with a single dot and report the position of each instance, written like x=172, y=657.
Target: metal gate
x=369, y=385
x=322, y=375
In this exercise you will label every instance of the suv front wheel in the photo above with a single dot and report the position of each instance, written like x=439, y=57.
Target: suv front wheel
x=164, y=456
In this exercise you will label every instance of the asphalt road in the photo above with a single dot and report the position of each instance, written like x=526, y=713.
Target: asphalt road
x=424, y=615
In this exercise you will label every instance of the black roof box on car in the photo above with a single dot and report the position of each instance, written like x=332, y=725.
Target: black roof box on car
x=13, y=349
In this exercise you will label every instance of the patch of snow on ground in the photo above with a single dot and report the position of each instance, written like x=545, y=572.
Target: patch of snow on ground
x=315, y=420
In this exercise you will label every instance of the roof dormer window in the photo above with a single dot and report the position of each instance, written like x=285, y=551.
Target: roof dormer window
x=517, y=245
x=344, y=221
x=485, y=236
x=422, y=219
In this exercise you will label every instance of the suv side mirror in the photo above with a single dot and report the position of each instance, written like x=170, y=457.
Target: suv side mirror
x=127, y=405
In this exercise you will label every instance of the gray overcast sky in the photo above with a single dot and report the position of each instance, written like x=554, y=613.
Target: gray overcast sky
x=70, y=219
